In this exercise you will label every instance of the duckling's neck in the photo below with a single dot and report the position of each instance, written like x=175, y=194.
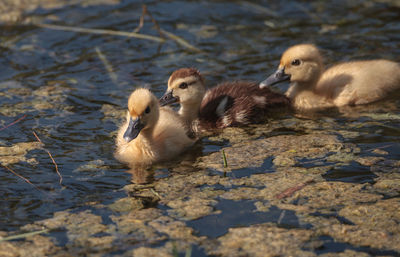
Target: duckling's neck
x=297, y=88
x=146, y=136
x=189, y=111
x=308, y=84
x=306, y=97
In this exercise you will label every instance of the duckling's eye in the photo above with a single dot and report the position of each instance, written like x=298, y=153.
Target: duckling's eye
x=147, y=109
x=296, y=62
x=183, y=85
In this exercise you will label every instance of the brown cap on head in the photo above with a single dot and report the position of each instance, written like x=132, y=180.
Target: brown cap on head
x=183, y=73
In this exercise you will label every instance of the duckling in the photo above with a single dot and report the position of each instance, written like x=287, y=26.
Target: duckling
x=227, y=104
x=150, y=133
x=350, y=83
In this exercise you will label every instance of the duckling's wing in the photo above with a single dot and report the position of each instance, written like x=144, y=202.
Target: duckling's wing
x=239, y=102
x=359, y=82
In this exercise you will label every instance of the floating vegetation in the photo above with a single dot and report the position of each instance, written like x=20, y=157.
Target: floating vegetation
x=17, y=152
x=323, y=183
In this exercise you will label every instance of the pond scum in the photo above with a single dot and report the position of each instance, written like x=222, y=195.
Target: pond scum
x=278, y=189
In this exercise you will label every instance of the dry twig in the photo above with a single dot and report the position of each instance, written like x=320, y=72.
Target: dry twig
x=180, y=41
x=109, y=68
x=259, y=8
x=12, y=123
x=291, y=190
x=21, y=177
x=100, y=31
x=163, y=32
x=306, y=11
x=141, y=20
x=51, y=157
x=134, y=34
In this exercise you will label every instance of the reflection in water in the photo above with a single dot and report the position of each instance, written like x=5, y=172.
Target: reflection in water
x=353, y=173
x=380, y=110
x=185, y=163
x=141, y=175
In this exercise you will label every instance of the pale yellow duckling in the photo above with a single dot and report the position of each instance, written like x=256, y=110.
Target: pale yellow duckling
x=150, y=133
x=227, y=104
x=350, y=83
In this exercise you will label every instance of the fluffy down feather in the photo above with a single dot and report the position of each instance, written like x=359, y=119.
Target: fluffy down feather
x=350, y=83
x=227, y=104
x=157, y=134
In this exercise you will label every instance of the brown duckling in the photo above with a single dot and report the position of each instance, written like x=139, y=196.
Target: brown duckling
x=227, y=104
x=350, y=83
x=150, y=133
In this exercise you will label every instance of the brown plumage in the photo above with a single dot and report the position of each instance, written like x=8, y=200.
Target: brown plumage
x=246, y=103
x=227, y=104
x=350, y=83
x=185, y=72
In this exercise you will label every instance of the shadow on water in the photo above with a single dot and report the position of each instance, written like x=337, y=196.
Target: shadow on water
x=333, y=215
x=240, y=214
x=353, y=173
x=314, y=162
x=195, y=251
x=266, y=167
x=329, y=245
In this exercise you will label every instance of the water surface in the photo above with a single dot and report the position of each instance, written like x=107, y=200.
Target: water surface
x=59, y=80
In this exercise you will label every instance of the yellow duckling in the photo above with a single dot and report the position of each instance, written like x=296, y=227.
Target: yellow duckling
x=350, y=83
x=227, y=104
x=150, y=133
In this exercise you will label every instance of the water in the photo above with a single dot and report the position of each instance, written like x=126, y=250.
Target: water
x=330, y=245
x=58, y=80
x=216, y=225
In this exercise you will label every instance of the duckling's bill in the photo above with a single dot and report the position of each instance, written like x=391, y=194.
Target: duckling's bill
x=133, y=130
x=275, y=78
x=168, y=98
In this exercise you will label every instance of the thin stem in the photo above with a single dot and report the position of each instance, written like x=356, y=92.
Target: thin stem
x=100, y=31
x=21, y=177
x=224, y=158
x=13, y=123
x=51, y=157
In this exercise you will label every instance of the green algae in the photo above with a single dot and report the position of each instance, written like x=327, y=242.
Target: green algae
x=190, y=196
x=17, y=153
x=126, y=205
x=51, y=96
x=152, y=219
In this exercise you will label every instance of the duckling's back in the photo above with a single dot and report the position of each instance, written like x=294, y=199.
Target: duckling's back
x=360, y=82
x=238, y=103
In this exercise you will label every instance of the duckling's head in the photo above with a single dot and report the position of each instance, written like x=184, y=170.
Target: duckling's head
x=300, y=63
x=143, y=113
x=185, y=86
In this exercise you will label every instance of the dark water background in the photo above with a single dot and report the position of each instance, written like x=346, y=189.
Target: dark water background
x=239, y=40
